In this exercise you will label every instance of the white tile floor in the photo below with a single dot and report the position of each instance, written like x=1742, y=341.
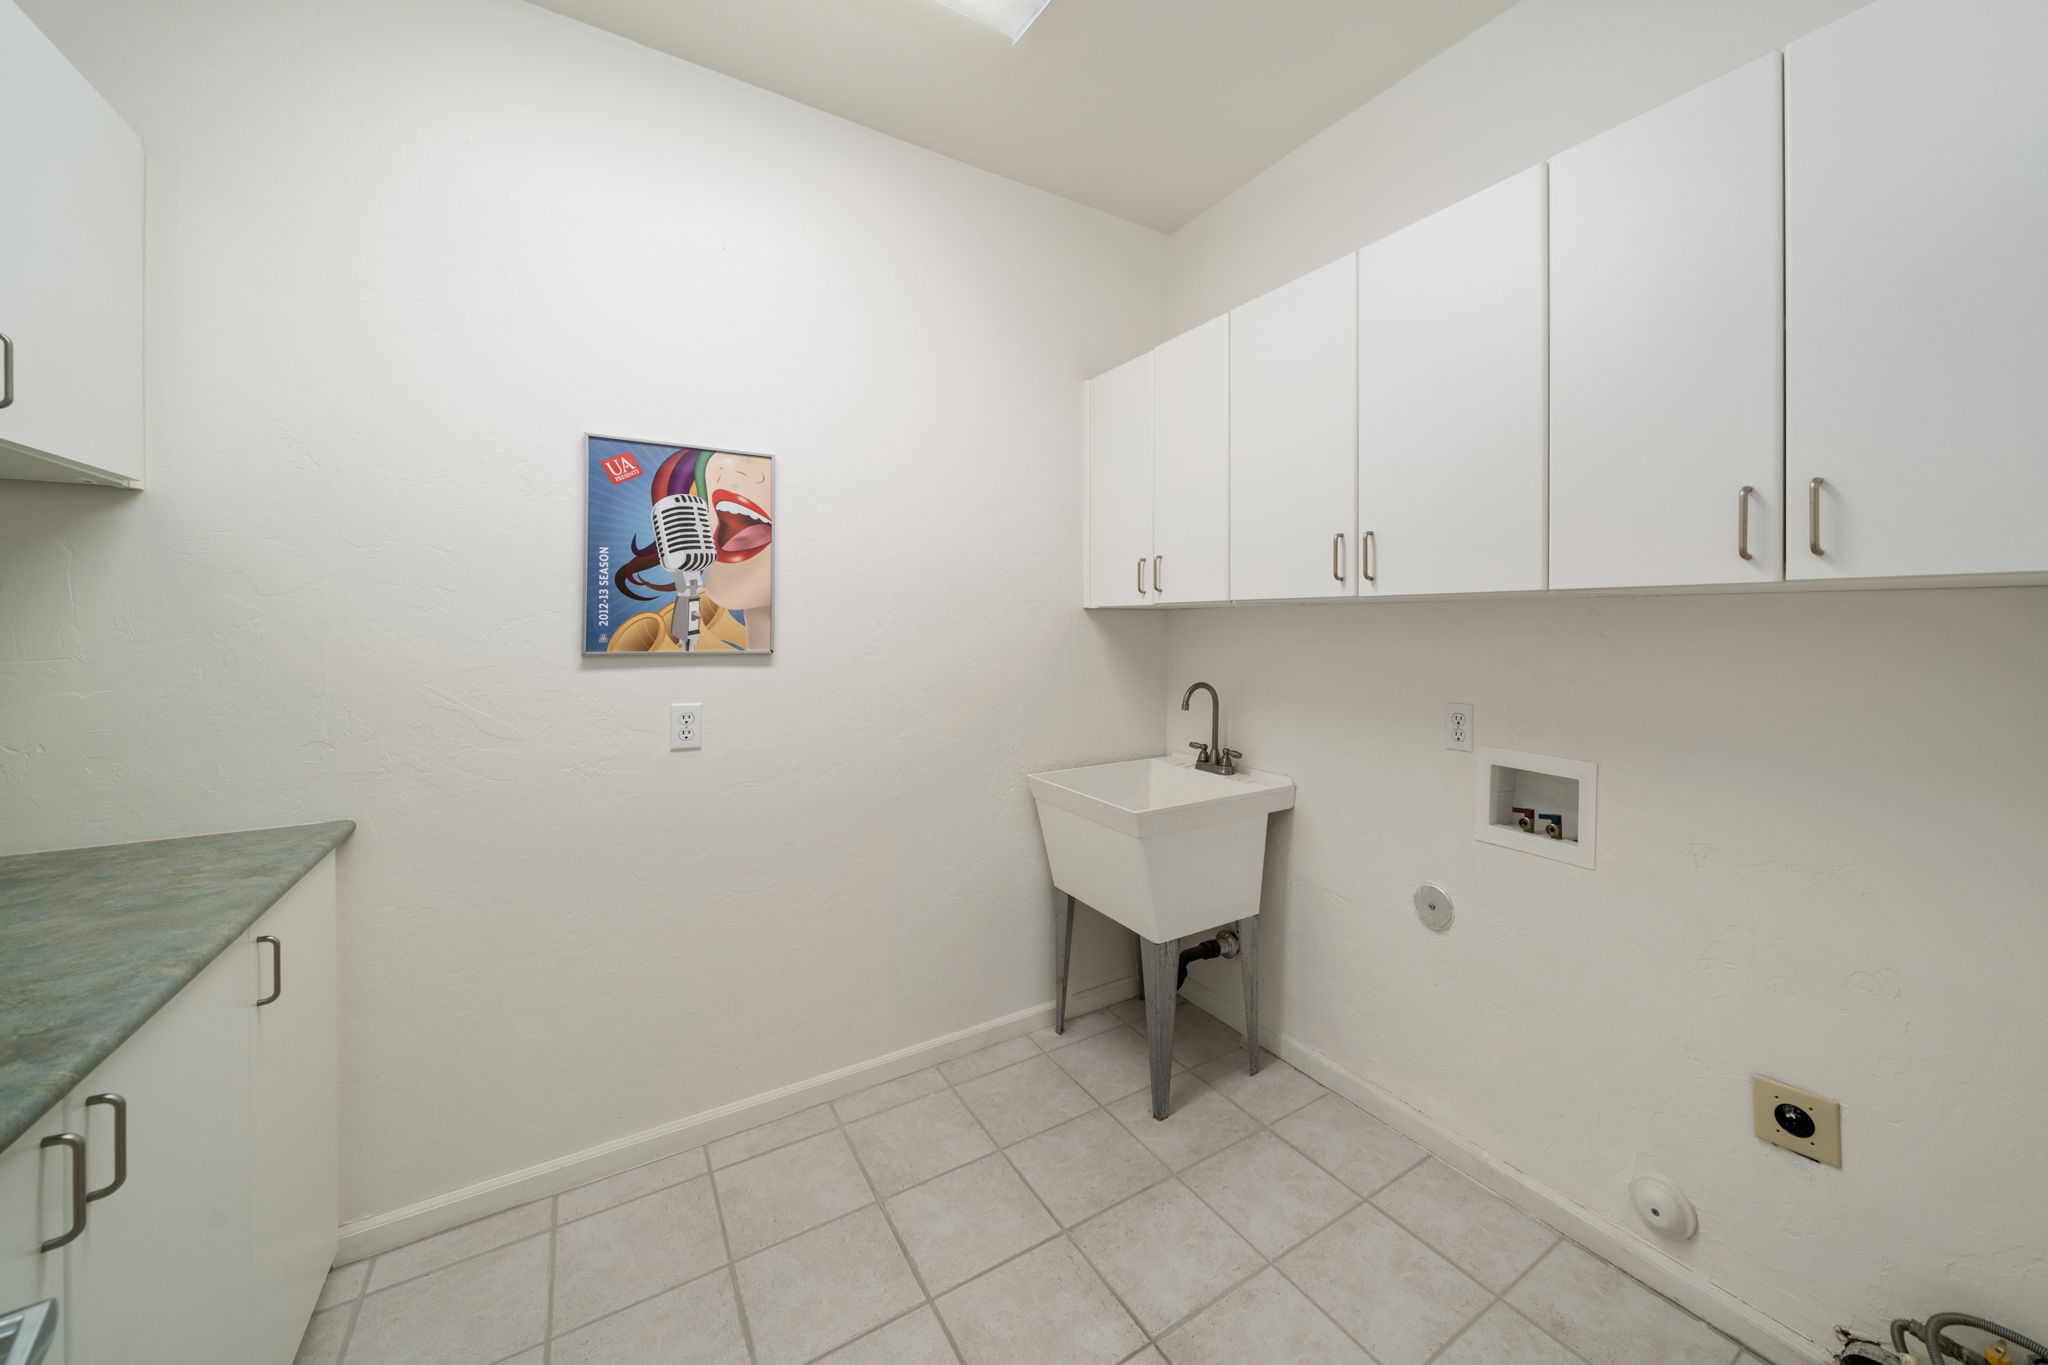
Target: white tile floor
x=1020, y=1206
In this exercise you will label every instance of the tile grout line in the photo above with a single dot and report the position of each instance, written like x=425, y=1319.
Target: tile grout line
x=449, y=1265
x=881, y=1204
x=1061, y=1231
x=1151, y=1338
x=642, y=1302
x=547, y=1336
x=732, y=1265
x=348, y=1330
x=1500, y=1300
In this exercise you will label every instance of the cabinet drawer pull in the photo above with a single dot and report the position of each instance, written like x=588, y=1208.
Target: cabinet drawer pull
x=276, y=968
x=1141, y=575
x=1368, y=550
x=1742, y=521
x=6, y=370
x=120, y=1107
x=76, y=1144
x=1813, y=516
x=1157, y=584
x=1337, y=556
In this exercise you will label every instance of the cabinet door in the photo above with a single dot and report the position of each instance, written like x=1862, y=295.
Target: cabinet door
x=1120, y=485
x=35, y=1206
x=293, y=1129
x=70, y=270
x=1667, y=343
x=1916, y=237
x=1452, y=397
x=1294, y=438
x=161, y=1273
x=1191, y=465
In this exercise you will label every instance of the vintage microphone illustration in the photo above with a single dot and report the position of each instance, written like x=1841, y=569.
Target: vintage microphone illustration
x=683, y=539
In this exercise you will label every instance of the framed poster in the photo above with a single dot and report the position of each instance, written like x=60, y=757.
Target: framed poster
x=679, y=551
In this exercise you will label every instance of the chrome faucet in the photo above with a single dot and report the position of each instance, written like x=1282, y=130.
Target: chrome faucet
x=1211, y=757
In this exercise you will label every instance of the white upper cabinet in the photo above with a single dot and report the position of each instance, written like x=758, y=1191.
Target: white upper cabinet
x=1452, y=397
x=1191, y=466
x=1120, y=486
x=1917, y=290
x=1667, y=343
x=70, y=271
x=1294, y=438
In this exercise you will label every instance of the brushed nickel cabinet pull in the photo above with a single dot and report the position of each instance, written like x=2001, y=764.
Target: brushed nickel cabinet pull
x=1813, y=516
x=1141, y=575
x=1337, y=556
x=6, y=370
x=1742, y=521
x=276, y=968
x=76, y=1145
x=120, y=1107
x=1368, y=549
x=1157, y=585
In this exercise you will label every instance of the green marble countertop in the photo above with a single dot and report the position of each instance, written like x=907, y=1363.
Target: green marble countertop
x=93, y=941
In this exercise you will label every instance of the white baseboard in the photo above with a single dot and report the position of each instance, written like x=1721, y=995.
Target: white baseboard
x=383, y=1231
x=1683, y=1285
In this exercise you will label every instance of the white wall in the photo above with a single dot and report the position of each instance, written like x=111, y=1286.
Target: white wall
x=1820, y=813
x=402, y=255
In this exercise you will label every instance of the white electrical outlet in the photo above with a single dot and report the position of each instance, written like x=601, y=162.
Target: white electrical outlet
x=686, y=725
x=1458, y=725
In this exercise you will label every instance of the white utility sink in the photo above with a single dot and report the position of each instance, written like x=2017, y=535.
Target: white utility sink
x=1160, y=847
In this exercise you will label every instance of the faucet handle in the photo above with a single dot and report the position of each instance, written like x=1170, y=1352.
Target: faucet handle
x=1228, y=758
x=1201, y=750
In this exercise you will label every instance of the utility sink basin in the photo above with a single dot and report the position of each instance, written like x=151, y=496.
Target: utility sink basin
x=1161, y=848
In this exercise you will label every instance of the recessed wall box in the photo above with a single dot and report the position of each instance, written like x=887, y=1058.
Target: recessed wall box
x=1561, y=793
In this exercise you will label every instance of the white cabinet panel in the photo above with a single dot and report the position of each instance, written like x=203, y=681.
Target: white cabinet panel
x=294, y=1163
x=1667, y=343
x=35, y=1206
x=1917, y=289
x=1452, y=397
x=70, y=270
x=1294, y=438
x=162, y=1273
x=1120, y=485
x=1191, y=465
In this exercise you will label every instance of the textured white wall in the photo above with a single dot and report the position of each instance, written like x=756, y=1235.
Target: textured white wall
x=402, y=255
x=1819, y=847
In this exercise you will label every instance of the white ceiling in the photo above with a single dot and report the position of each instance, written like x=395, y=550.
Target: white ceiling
x=1150, y=109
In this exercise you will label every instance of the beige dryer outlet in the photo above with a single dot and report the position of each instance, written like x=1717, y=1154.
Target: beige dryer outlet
x=1798, y=1120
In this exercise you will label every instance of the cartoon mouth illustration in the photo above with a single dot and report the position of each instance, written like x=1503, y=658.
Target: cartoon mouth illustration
x=744, y=530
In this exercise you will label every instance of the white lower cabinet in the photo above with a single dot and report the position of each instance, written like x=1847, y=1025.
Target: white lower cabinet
x=294, y=1130
x=1667, y=343
x=208, y=1140
x=1916, y=233
x=35, y=1207
x=1452, y=398
x=162, y=1271
x=1294, y=438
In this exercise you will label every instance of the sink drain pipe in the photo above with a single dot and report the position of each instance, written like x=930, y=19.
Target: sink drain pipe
x=1225, y=944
